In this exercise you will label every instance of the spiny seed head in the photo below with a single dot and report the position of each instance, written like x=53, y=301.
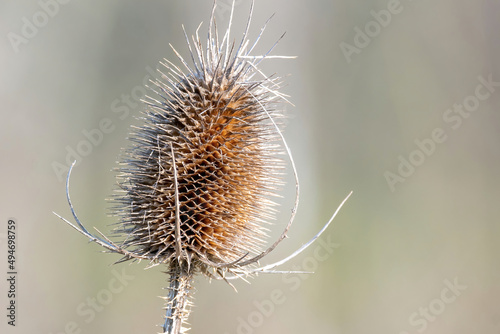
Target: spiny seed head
x=196, y=184
x=206, y=160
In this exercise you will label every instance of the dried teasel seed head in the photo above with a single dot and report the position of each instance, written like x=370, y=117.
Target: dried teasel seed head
x=198, y=179
x=197, y=182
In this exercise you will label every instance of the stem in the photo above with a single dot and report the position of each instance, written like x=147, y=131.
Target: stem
x=178, y=299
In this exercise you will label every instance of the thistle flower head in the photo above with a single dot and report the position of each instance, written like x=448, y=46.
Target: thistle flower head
x=198, y=178
x=197, y=181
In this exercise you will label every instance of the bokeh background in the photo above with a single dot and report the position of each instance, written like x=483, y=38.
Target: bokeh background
x=386, y=265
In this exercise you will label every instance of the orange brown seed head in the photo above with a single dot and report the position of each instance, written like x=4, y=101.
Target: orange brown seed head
x=216, y=117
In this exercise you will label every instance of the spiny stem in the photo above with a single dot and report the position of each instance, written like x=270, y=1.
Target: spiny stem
x=178, y=299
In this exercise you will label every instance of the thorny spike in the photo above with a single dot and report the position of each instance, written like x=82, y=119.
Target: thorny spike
x=178, y=248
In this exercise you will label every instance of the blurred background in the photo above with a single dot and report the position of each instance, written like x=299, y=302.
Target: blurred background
x=395, y=100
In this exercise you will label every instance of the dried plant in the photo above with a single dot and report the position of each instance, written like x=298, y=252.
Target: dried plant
x=196, y=185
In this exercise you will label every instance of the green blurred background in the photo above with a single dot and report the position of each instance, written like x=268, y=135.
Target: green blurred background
x=394, y=250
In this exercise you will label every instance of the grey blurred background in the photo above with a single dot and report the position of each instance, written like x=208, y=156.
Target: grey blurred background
x=415, y=250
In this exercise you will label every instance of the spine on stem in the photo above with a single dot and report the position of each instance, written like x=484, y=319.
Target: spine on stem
x=178, y=300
